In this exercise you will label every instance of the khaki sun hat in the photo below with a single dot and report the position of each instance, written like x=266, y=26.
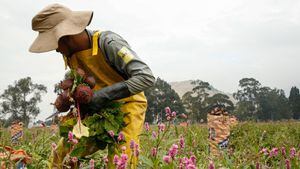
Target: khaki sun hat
x=54, y=22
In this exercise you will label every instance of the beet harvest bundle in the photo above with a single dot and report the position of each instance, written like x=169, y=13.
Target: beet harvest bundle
x=91, y=130
x=75, y=89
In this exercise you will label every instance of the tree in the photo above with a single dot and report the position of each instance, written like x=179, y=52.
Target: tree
x=19, y=101
x=194, y=101
x=294, y=102
x=160, y=96
x=247, y=105
x=273, y=104
x=220, y=100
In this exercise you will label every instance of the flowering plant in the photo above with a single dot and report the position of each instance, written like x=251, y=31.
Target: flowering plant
x=84, y=134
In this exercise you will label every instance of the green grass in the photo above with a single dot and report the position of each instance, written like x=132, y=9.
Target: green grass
x=246, y=142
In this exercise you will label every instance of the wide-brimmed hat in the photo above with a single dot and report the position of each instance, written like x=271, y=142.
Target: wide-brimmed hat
x=54, y=22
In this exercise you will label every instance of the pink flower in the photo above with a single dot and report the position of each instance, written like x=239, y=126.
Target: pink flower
x=74, y=159
x=293, y=152
x=287, y=164
x=168, y=118
x=121, y=136
x=137, y=150
x=124, y=157
x=120, y=162
x=211, y=165
x=161, y=127
x=191, y=166
x=167, y=159
x=116, y=159
x=264, y=151
x=70, y=136
x=173, y=151
x=74, y=141
x=105, y=159
x=173, y=114
x=92, y=164
x=154, y=152
x=111, y=133
x=193, y=159
x=168, y=111
x=154, y=135
x=123, y=148
x=283, y=151
x=274, y=152
x=147, y=127
x=257, y=165
x=181, y=142
x=132, y=143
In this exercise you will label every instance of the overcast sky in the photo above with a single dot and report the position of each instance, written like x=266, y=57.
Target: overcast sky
x=216, y=41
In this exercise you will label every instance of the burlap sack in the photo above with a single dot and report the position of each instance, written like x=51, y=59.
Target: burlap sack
x=16, y=131
x=219, y=132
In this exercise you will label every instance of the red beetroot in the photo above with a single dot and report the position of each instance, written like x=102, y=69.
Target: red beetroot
x=60, y=105
x=66, y=97
x=83, y=94
x=81, y=73
x=90, y=80
x=66, y=84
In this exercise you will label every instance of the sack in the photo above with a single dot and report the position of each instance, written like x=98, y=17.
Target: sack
x=219, y=132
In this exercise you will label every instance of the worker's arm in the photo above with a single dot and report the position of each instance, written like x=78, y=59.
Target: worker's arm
x=138, y=76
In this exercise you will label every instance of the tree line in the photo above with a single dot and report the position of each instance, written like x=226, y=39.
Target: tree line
x=253, y=101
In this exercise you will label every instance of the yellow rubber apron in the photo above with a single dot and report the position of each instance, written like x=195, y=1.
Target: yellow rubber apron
x=93, y=62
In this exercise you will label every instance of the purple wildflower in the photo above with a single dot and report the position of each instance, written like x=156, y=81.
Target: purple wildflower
x=293, y=152
x=154, y=152
x=74, y=159
x=70, y=136
x=167, y=159
x=147, y=127
x=111, y=133
x=283, y=151
x=161, y=127
x=121, y=136
x=136, y=150
x=168, y=111
x=132, y=143
x=123, y=148
x=264, y=151
x=92, y=164
x=288, y=164
x=211, y=165
x=181, y=142
x=173, y=150
x=173, y=114
x=154, y=134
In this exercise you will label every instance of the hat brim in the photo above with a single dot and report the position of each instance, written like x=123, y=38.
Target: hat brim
x=75, y=24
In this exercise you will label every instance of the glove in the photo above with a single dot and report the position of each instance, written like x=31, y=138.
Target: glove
x=103, y=96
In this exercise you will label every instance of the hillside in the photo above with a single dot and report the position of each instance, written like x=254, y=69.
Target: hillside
x=182, y=87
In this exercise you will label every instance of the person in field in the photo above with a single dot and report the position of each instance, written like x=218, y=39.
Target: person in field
x=119, y=73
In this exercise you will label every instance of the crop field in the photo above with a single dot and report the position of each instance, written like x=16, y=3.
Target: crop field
x=251, y=145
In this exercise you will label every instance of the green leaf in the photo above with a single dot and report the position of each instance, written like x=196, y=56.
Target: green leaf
x=148, y=162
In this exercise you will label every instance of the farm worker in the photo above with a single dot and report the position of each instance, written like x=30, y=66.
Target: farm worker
x=120, y=74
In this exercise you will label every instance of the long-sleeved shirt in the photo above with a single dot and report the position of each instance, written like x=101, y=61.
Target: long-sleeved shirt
x=138, y=76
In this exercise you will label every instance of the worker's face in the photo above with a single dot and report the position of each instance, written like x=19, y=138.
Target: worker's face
x=63, y=46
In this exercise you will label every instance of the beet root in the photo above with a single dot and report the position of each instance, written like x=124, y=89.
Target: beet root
x=60, y=105
x=81, y=73
x=66, y=84
x=83, y=94
x=90, y=80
